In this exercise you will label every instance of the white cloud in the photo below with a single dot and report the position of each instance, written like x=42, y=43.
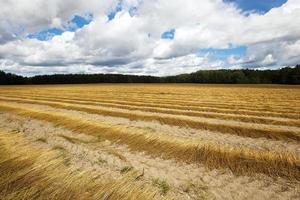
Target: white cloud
x=56, y=23
x=19, y=17
x=133, y=44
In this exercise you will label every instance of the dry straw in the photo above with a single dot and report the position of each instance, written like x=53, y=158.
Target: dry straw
x=239, y=160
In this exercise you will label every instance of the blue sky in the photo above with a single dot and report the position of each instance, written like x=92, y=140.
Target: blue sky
x=46, y=34
x=118, y=8
x=222, y=54
x=260, y=6
x=75, y=23
x=168, y=34
x=111, y=15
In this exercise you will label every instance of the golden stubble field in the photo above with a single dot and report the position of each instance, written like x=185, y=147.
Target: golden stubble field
x=138, y=141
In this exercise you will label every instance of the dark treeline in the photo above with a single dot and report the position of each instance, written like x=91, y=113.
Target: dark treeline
x=245, y=76
x=12, y=79
x=241, y=76
x=91, y=78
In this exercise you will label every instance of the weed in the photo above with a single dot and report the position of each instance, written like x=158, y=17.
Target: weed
x=162, y=185
x=126, y=169
x=43, y=140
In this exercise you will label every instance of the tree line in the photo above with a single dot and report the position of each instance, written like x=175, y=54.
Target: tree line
x=287, y=75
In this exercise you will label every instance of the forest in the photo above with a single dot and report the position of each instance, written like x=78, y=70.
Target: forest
x=287, y=75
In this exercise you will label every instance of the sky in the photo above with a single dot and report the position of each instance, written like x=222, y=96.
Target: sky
x=147, y=37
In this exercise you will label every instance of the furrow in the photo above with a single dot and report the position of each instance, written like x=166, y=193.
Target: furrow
x=229, y=127
x=239, y=160
x=214, y=101
x=28, y=172
x=237, y=117
x=186, y=181
x=178, y=132
x=235, y=108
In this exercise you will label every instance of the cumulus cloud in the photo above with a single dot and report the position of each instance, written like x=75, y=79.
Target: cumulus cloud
x=131, y=42
x=19, y=17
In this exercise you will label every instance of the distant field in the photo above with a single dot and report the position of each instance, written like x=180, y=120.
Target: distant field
x=155, y=141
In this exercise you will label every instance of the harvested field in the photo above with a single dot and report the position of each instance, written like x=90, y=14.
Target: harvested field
x=155, y=141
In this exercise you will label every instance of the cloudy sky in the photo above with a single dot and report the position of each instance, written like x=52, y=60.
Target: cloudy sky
x=153, y=37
